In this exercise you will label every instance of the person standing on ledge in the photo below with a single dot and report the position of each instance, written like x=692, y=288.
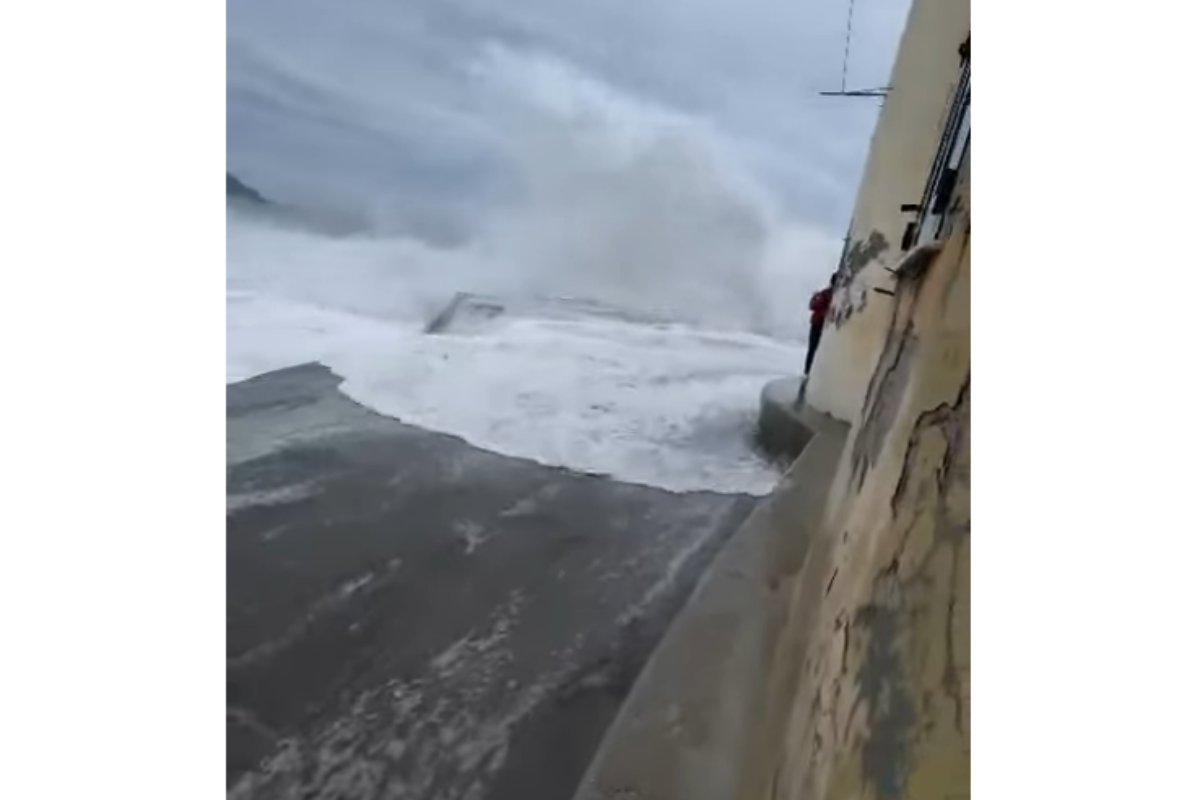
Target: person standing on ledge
x=819, y=306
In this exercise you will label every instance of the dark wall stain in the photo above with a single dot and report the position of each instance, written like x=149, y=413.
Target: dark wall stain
x=891, y=712
x=898, y=605
x=953, y=420
x=951, y=682
x=884, y=392
x=951, y=525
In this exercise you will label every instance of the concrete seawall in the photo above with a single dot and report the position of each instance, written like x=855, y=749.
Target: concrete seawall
x=692, y=718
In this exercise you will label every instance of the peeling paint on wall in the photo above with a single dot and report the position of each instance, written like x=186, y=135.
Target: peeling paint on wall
x=864, y=252
x=851, y=295
x=882, y=708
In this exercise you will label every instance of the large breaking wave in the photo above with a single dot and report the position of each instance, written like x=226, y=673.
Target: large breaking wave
x=359, y=208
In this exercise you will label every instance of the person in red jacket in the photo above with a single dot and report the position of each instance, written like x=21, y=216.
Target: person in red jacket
x=819, y=306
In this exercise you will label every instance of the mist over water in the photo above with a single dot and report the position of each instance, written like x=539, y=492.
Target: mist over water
x=412, y=151
x=592, y=194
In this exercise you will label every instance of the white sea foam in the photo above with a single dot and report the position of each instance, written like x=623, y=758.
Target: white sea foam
x=669, y=406
x=613, y=199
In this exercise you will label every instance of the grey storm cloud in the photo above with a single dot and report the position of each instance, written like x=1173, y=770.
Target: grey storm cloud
x=333, y=102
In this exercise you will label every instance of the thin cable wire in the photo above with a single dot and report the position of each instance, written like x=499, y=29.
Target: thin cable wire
x=846, y=53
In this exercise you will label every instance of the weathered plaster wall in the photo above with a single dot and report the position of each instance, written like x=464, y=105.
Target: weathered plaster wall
x=870, y=681
x=826, y=656
x=905, y=141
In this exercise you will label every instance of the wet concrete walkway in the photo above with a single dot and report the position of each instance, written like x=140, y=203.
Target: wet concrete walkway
x=413, y=617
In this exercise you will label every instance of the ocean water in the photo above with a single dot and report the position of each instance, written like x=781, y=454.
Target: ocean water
x=672, y=161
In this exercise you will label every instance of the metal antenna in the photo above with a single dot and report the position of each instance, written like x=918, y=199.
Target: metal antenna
x=878, y=92
x=846, y=51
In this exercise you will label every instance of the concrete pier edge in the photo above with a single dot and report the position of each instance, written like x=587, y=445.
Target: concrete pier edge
x=695, y=713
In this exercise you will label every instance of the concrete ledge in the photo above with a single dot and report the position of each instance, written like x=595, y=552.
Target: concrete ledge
x=784, y=425
x=690, y=721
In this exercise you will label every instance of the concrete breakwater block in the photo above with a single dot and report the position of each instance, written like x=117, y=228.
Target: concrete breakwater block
x=468, y=312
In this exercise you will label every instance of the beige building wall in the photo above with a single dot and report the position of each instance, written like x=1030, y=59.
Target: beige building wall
x=904, y=144
x=869, y=688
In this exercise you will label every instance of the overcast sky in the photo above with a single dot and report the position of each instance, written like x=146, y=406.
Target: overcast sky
x=338, y=101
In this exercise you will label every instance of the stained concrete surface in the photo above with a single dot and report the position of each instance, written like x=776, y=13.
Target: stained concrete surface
x=691, y=723
x=409, y=616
